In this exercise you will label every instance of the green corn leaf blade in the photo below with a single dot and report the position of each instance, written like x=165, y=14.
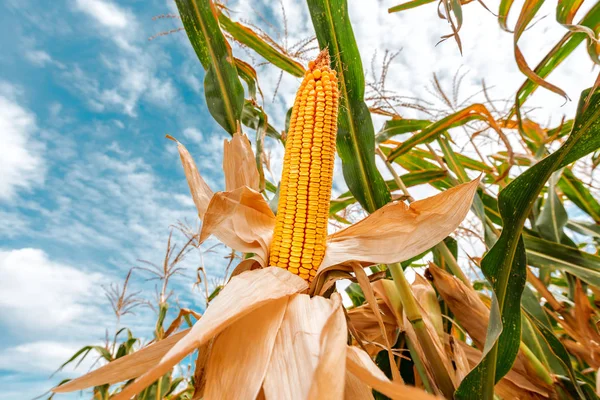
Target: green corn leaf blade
x=584, y=228
x=251, y=117
x=503, y=11
x=356, y=136
x=563, y=49
x=431, y=132
x=557, y=348
x=466, y=162
x=452, y=161
x=248, y=74
x=409, y=179
x=576, y=191
x=547, y=254
x=504, y=265
x=408, y=5
x=528, y=12
x=398, y=126
x=553, y=218
x=223, y=90
x=246, y=36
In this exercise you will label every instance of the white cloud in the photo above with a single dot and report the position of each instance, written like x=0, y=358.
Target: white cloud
x=39, y=294
x=40, y=356
x=21, y=160
x=192, y=134
x=105, y=12
x=38, y=57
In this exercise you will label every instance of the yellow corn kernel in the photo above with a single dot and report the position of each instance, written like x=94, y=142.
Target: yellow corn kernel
x=301, y=226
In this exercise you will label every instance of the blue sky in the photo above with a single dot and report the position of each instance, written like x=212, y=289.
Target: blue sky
x=89, y=184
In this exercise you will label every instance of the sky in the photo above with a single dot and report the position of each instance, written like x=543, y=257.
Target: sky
x=89, y=185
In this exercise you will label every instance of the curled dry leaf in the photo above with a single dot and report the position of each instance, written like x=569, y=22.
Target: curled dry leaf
x=365, y=285
x=473, y=315
x=465, y=303
x=397, y=232
x=124, y=368
x=201, y=193
x=359, y=364
x=367, y=326
x=242, y=220
x=239, y=164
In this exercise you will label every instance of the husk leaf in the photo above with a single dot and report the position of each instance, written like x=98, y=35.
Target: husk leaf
x=239, y=164
x=243, y=294
x=241, y=354
x=397, y=232
x=297, y=351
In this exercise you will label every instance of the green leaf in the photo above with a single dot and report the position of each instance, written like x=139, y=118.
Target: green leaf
x=504, y=265
x=584, y=228
x=356, y=136
x=398, y=126
x=546, y=254
x=557, y=349
x=408, y=5
x=559, y=53
x=553, y=218
x=576, y=191
x=246, y=36
x=251, y=117
x=431, y=132
x=223, y=90
x=248, y=74
x=409, y=179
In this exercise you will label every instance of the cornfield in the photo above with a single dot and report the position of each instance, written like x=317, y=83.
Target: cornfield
x=368, y=295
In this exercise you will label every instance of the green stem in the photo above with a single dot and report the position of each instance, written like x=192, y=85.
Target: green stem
x=413, y=314
x=452, y=264
x=414, y=355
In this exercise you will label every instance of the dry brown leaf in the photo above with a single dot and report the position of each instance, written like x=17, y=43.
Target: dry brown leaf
x=328, y=381
x=124, y=368
x=366, y=325
x=397, y=232
x=297, y=349
x=240, y=355
x=201, y=193
x=355, y=389
x=243, y=294
x=464, y=302
x=473, y=315
x=242, y=220
x=359, y=364
x=365, y=285
x=239, y=164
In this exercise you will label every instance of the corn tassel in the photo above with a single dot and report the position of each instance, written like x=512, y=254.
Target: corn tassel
x=301, y=229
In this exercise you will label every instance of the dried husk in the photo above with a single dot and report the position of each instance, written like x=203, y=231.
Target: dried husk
x=359, y=364
x=397, y=232
x=239, y=164
x=124, y=368
x=241, y=296
x=298, y=351
x=201, y=192
x=242, y=220
x=241, y=353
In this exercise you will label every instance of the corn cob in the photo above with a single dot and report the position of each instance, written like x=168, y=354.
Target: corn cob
x=305, y=192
